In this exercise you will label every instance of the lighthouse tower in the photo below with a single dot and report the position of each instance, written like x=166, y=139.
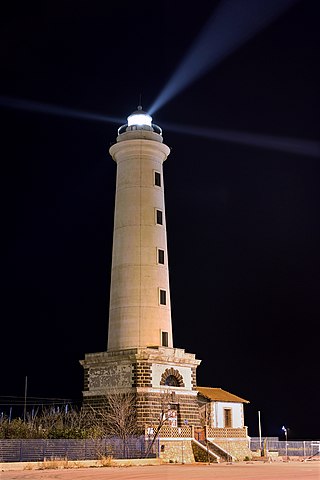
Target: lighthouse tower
x=140, y=313
x=140, y=356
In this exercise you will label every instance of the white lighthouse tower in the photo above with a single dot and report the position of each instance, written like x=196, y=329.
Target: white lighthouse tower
x=140, y=313
x=140, y=356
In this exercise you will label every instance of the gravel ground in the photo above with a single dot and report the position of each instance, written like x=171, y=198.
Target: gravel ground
x=242, y=470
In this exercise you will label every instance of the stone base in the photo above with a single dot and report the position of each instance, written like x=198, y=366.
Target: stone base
x=176, y=451
x=163, y=380
x=238, y=448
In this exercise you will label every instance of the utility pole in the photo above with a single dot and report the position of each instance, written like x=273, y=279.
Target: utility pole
x=25, y=399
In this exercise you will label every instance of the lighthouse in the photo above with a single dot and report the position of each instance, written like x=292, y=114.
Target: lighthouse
x=140, y=313
x=140, y=357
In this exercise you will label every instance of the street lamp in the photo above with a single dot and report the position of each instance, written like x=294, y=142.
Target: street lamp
x=286, y=435
x=259, y=424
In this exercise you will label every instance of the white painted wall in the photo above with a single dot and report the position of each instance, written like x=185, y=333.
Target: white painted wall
x=237, y=414
x=158, y=369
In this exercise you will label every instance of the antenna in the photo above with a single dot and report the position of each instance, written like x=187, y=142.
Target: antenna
x=140, y=102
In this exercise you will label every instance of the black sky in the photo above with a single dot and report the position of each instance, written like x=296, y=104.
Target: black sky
x=250, y=308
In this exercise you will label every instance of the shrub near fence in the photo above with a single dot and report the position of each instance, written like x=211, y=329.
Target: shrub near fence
x=293, y=448
x=39, y=450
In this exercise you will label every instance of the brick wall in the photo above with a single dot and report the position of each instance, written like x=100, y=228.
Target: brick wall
x=150, y=406
x=141, y=374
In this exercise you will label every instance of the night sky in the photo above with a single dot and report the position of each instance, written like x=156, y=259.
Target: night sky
x=245, y=284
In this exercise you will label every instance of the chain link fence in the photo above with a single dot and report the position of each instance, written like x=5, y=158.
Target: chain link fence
x=40, y=450
x=293, y=448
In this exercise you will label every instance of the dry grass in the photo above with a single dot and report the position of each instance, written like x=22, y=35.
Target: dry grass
x=106, y=461
x=61, y=463
x=54, y=463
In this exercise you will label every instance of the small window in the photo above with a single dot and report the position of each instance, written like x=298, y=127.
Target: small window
x=160, y=256
x=227, y=417
x=163, y=297
x=157, y=179
x=172, y=381
x=159, y=217
x=164, y=339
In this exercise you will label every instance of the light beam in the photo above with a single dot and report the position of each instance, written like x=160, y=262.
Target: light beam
x=232, y=24
x=295, y=146
x=38, y=107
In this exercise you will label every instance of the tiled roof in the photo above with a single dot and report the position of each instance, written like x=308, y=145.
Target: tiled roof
x=219, y=395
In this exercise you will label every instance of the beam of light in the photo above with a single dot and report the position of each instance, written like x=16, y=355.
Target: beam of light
x=295, y=146
x=232, y=24
x=38, y=107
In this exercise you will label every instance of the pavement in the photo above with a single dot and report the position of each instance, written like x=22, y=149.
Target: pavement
x=225, y=471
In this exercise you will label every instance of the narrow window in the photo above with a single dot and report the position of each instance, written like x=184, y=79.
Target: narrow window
x=164, y=340
x=157, y=179
x=160, y=256
x=227, y=417
x=159, y=217
x=163, y=297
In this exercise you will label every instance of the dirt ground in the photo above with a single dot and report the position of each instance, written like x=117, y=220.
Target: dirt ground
x=242, y=470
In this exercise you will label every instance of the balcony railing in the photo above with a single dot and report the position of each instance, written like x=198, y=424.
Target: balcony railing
x=226, y=432
x=185, y=431
x=173, y=432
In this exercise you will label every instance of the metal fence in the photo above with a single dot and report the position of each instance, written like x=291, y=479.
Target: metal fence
x=39, y=450
x=305, y=448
